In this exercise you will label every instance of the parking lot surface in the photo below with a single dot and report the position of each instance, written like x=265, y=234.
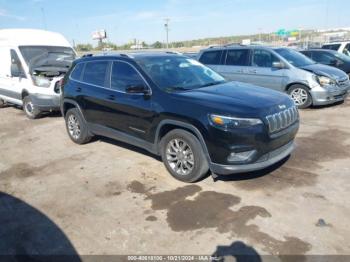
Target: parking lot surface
x=110, y=198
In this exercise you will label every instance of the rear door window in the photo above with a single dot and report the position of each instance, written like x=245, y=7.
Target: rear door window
x=263, y=58
x=237, y=57
x=95, y=73
x=211, y=58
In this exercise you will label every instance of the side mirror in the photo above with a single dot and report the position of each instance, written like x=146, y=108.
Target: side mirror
x=278, y=65
x=137, y=89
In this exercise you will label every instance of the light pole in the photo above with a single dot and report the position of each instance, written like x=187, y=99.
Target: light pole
x=44, y=18
x=166, y=26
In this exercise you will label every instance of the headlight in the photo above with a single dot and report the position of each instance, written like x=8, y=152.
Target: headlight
x=324, y=80
x=41, y=81
x=225, y=122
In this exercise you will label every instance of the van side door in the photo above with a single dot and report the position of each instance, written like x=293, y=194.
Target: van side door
x=263, y=73
x=236, y=65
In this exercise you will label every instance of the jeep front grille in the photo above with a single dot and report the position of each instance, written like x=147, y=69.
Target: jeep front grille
x=283, y=119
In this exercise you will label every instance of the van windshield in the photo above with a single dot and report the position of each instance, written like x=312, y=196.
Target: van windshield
x=47, y=56
x=295, y=58
x=178, y=73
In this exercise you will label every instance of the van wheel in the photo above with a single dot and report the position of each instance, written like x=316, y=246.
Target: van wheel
x=301, y=96
x=183, y=156
x=2, y=103
x=31, y=110
x=76, y=127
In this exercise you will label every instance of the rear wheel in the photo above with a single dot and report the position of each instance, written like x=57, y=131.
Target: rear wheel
x=183, y=156
x=31, y=110
x=76, y=127
x=2, y=103
x=301, y=96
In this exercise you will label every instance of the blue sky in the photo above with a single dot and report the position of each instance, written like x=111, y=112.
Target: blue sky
x=190, y=19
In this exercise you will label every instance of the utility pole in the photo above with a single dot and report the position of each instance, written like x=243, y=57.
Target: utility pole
x=44, y=18
x=166, y=26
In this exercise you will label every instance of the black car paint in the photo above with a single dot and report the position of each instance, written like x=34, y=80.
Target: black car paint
x=142, y=119
x=339, y=63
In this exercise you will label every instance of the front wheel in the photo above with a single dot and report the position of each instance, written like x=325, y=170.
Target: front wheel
x=2, y=103
x=183, y=156
x=301, y=96
x=31, y=110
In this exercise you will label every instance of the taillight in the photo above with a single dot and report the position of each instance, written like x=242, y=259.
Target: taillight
x=58, y=86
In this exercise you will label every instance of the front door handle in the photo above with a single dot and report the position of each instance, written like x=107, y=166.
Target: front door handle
x=111, y=97
x=78, y=89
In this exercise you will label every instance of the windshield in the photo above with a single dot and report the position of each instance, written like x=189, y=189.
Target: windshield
x=295, y=58
x=342, y=57
x=47, y=56
x=178, y=73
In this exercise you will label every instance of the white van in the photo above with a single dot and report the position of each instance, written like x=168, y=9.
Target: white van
x=340, y=47
x=32, y=66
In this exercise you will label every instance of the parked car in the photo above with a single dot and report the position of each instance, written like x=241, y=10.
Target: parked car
x=340, y=47
x=281, y=69
x=329, y=57
x=175, y=107
x=33, y=62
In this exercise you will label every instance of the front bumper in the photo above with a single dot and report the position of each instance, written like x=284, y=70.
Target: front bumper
x=46, y=102
x=265, y=161
x=326, y=96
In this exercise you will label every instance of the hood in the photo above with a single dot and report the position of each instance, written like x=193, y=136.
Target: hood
x=324, y=70
x=237, y=97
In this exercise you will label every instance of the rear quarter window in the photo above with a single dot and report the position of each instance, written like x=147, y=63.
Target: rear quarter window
x=334, y=47
x=211, y=58
x=77, y=71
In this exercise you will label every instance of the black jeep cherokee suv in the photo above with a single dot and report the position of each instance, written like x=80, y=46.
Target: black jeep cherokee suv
x=177, y=108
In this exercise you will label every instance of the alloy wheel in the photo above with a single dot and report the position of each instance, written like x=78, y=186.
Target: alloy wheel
x=180, y=157
x=74, y=127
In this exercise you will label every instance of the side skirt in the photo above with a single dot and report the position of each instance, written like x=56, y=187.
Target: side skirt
x=121, y=136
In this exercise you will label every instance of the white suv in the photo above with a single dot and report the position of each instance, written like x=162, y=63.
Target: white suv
x=340, y=47
x=32, y=65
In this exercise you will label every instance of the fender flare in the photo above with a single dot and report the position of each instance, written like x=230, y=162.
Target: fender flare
x=183, y=125
x=72, y=102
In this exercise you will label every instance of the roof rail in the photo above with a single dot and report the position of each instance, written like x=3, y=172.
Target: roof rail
x=173, y=52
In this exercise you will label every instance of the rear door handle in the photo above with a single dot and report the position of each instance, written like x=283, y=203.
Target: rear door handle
x=252, y=71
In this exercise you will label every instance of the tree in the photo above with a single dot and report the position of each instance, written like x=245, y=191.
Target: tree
x=157, y=45
x=84, y=47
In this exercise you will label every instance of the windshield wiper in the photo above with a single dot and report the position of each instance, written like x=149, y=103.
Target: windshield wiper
x=213, y=83
x=176, y=88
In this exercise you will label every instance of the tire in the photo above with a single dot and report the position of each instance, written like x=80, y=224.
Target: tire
x=301, y=96
x=30, y=109
x=76, y=127
x=2, y=103
x=193, y=163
